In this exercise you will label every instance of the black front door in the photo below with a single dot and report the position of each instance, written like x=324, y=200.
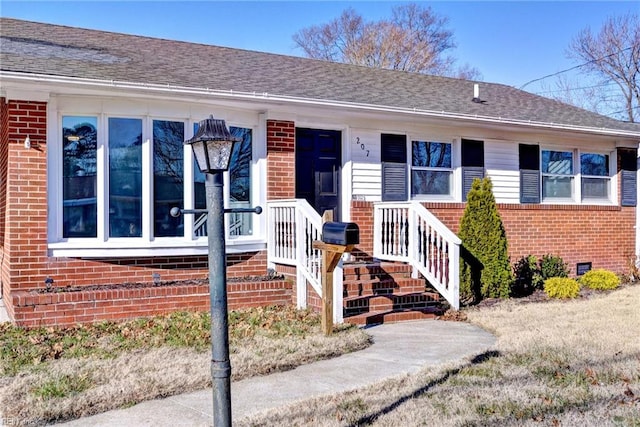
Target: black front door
x=318, y=163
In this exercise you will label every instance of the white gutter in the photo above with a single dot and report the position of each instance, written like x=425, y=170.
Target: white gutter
x=231, y=94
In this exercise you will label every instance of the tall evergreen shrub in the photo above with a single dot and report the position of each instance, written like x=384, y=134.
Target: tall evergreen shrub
x=484, y=238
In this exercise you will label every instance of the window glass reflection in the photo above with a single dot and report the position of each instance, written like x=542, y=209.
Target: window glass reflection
x=125, y=177
x=79, y=145
x=168, y=176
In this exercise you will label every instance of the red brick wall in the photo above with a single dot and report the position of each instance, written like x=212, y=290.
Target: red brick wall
x=25, y=217
x=23, y=224
x=69, y=308
x=604, y=235
x=4, y=158
x=29, y=273
x=281, y=160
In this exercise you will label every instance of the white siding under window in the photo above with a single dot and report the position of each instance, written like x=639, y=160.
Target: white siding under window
x=501, y=164
x=366, y=169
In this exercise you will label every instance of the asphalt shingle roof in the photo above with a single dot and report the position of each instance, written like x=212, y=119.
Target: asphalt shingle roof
x=36, y=48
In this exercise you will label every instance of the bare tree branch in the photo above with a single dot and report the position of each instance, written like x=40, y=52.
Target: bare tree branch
x=414, y=39
x=613, y=54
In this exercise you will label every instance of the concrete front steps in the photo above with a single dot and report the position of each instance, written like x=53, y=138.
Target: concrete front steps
x=384, y=292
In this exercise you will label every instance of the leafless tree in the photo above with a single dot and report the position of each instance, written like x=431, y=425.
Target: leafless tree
x=414, y=39
x=612, y=58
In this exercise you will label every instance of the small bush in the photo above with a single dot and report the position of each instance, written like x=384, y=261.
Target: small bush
x=527, y=276
x=600, y=279
x=553, y=266
x=634, y=269
x=561, y=287
x=531, y=272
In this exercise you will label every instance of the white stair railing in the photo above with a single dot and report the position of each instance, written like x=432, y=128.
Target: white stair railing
x=408, y=232
x=293, y=226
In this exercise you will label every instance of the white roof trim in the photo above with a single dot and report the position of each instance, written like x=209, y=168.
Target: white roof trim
x=264, y=96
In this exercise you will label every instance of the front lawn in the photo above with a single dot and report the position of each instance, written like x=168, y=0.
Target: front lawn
x=50, y=374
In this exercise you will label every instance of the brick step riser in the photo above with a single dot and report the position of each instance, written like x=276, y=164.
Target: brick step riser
x=386, y=304
x=369, y=289
x=375, y=276
x=395, y=317
x=375, y=272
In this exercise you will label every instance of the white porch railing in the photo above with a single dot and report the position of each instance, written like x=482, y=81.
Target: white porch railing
x=293, y=226
x=238, y=223
x=408, y=232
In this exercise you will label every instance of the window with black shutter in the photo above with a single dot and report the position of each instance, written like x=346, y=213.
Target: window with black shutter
x=529, y=173
x=472, y=164
x=628, y=177
x=394, y=168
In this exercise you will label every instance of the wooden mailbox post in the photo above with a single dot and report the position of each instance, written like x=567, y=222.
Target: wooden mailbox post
x=337, y=239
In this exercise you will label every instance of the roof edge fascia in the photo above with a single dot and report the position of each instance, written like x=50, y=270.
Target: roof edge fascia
x=267, y=97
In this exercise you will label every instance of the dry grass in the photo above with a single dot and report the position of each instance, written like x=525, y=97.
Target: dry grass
x=88, y=370
x=572, y=363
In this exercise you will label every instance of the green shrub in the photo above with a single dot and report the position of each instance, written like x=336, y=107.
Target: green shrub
x=600, y=279
x=531, y=272
x=484, y=241
x=553, y=266
x=527, y=276
x=561, y=287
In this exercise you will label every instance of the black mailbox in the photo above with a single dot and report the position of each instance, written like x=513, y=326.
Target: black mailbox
x=341, y=233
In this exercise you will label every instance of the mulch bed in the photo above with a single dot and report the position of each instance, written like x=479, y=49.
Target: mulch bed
x=138, y=285
x=538, y=296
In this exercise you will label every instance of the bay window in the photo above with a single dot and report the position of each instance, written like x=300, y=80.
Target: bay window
x=120, y=177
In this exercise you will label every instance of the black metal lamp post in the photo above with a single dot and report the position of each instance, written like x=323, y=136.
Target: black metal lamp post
x=212, y=146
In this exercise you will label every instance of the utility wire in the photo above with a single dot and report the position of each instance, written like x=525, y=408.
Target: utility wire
x=575, y=67
x=624, y=111
x=575, y=88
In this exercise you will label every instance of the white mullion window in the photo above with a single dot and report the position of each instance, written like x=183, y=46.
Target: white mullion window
x=124, y=177
x=168, y=176
x=101, y=179
x=79, y=176
x=237, y=189
x=189, y=175
x=431, y=168
x=557, y=171
x=595, y=176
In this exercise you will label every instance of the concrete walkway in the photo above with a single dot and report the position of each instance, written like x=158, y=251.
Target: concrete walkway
x=4, y=317
x=398, y=348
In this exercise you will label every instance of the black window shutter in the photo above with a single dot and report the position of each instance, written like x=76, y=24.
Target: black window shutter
x=629, y=188
x=628, y=177
x=394, y=168
x=468, y=175
x=529, y=173
x=529, y=186
x=472, y=164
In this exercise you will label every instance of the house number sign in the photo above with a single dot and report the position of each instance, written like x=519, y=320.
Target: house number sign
x=362, y=146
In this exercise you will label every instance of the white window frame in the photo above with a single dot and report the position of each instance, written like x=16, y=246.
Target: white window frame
x=575, y=196
x=576, y=183
x=454, y=170
x=609, y=179
x=102, y=245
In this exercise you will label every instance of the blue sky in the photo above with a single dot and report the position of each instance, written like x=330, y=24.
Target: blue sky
x=509, y=42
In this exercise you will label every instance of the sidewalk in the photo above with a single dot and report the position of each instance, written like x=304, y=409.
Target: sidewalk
x=398, y=348
x=4, y=317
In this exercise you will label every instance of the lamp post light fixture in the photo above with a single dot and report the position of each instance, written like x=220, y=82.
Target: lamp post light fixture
x=212, y=147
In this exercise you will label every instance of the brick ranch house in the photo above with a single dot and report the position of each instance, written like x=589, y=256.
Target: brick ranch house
x=92, y=159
